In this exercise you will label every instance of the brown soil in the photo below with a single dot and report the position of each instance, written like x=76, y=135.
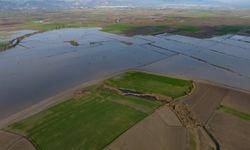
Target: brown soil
x=153, y=133
x=232, y=132
x=237, y=100
x=10, y=141
x=204, y=101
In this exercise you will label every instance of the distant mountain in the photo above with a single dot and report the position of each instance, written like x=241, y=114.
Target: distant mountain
x=65, y=4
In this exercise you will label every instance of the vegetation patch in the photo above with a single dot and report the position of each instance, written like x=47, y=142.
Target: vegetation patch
x=91, y=122
x=199, y=31
x=2, y=43
x=95, y=116
x=234, y=112
x=117, y=28
x=222, y=30
x=189, y=29
x=149, y=83
x=72, y=42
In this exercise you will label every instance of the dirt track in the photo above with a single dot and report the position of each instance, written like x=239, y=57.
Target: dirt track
x=10, y=141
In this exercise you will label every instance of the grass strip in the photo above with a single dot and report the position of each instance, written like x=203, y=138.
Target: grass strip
x=234, y=112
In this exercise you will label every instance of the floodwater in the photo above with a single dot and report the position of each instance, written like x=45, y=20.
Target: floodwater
x=45, y=64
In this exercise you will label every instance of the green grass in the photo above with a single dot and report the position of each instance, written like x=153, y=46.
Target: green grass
x=117, y=28
x=234, y=112
x=90, y=123
x=149, y=83
x=94, y=119
x=134, y=28
x=189, y=29
x=222, y=30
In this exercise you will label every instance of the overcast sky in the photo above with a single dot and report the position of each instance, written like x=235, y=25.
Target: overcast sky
x=245, y=3
x=235, y=1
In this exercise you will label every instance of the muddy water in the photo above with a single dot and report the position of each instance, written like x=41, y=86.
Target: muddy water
x=44, y=64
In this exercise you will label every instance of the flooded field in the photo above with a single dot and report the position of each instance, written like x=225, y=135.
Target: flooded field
x=48, y=63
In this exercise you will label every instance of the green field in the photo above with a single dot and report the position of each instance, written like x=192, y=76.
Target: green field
x=117, y=28
x=149, y=83
x=222, y=30
x=188, y=29
x=134, y=28
x=234, y=112
x=94, y=119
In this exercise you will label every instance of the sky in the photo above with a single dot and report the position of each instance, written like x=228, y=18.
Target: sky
x=209, y=2
x=235, y=1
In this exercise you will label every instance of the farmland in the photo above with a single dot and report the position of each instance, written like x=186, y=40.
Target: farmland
x=144, y=82
x=197, y=22
x=95, y=114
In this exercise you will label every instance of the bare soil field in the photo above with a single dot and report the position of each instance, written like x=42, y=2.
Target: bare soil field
x=237, y=100
x=231, y=132
x=204, y=101
x=10, y=141
x=159, y=131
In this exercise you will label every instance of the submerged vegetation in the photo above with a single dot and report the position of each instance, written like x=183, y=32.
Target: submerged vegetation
x=97, y=115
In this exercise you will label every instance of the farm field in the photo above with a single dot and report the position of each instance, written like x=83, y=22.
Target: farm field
x=95, y=113
x=196, y=22
x=207, y=105
x=223, y=125
x=161, y=130
x=149, y=83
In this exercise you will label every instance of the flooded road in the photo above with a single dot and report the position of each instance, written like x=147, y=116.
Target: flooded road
x=45, y=64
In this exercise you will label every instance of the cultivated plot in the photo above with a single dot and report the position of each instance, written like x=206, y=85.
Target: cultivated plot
x=98, y=114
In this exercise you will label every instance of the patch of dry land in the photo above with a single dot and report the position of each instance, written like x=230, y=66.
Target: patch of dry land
x=137, y=110
x=160, y=131
x=224, y=113
x=98, y=114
